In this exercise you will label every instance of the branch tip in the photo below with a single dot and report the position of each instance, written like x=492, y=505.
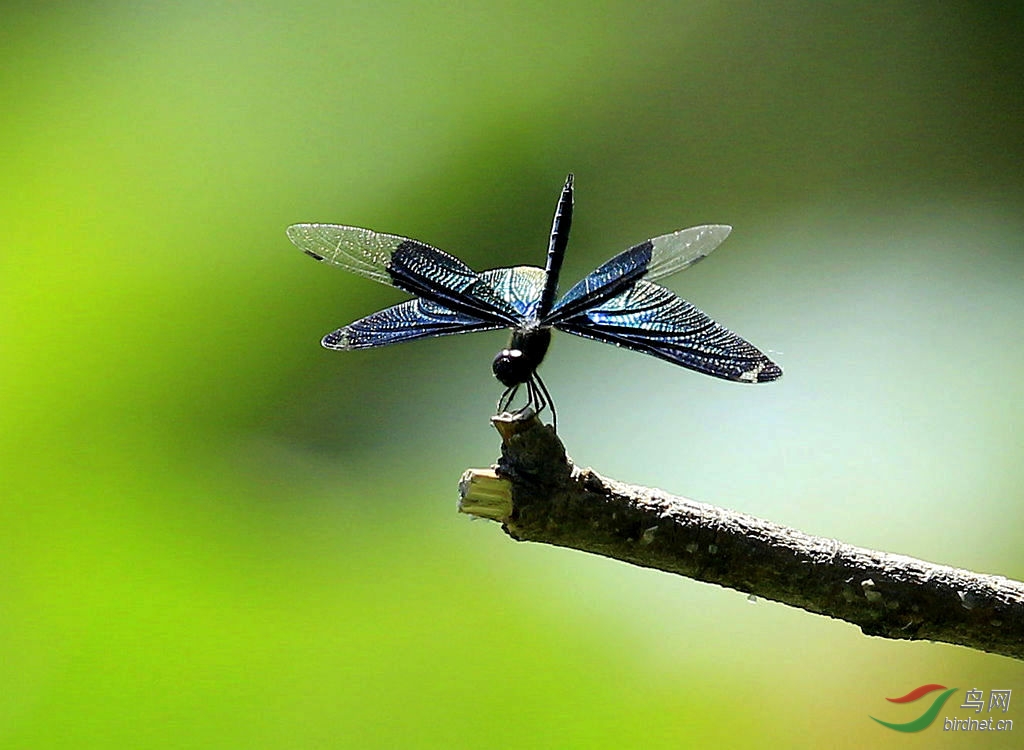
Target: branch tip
x=482, y=493
x=537, y=495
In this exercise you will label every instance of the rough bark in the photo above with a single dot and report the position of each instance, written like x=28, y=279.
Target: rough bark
x=538, y=495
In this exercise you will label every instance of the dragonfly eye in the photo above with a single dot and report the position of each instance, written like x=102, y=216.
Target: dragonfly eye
x=511, y=367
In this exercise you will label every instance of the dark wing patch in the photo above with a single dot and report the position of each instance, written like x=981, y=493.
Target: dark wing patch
x=415, y=319
x=437, y=276
x=653, y=259
x=652, y=319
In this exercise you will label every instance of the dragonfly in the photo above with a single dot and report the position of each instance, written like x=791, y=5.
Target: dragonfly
x=618, y=303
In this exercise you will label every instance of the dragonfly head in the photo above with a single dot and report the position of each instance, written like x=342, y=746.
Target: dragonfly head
x=510, y=367
x=520, y=360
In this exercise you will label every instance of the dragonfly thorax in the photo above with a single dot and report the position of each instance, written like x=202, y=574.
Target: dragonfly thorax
x=520, y=360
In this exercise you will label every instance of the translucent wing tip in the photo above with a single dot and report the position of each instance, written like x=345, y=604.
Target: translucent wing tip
x=711, y=235
x=297, y=231
x=301, y=236
x=671, y=253
x=708, y=238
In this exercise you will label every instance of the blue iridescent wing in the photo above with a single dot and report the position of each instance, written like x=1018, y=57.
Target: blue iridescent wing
x=653, y=259
x=521, y=287
x=409, y=265
x=420, y=318
x=652, y=319
x=408, y=321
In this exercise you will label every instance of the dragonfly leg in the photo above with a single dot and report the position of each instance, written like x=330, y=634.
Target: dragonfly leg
x=543, y=399
x=532, y=399
x=506, y=398
x=537, y=397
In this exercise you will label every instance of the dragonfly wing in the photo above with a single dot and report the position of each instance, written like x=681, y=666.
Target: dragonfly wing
x=653, y=259
x=415, y=319
x=409, y=265
x=671, y=253
x=652, y=319
x=520, y=286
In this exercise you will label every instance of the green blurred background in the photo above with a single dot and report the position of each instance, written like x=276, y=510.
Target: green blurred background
x=213, y=533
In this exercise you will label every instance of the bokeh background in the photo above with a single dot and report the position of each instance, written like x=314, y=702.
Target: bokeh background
x=213, y=533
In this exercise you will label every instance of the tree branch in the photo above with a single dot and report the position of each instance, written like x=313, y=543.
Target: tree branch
x=538, y=495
